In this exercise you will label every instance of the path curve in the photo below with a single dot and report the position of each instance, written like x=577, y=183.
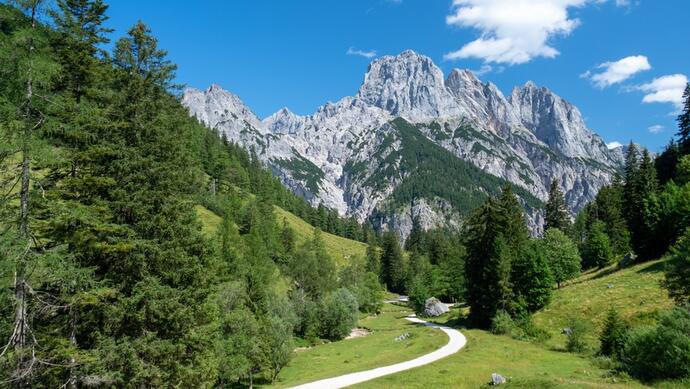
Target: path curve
x=456, y=341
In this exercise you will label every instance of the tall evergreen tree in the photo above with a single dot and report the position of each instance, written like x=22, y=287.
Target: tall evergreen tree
x=392, y=265
x=557, y=215
x=487, y=265
x=80, y=31
x=684, y=122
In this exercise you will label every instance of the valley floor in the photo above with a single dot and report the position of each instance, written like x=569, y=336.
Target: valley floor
x=635, y=291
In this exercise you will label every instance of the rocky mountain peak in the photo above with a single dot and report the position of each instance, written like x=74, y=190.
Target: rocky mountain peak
x=408, y=85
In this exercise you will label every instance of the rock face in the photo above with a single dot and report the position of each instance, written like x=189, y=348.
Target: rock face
x=434, y=307
x=394, y=151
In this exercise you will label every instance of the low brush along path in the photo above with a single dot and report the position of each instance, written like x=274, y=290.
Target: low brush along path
x=456, y=341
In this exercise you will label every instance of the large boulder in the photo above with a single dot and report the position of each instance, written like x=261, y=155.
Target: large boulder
x=434, y=307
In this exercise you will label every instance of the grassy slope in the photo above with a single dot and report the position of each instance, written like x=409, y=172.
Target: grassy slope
x=635, y=293
x=340, y=248
x=377, y=349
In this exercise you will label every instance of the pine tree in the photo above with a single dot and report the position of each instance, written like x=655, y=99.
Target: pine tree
x=512, y=219
x=613, y=336
x=392, y=266
x=684, y=123
x=487, y=265
x=80, y=31
x=557, y=215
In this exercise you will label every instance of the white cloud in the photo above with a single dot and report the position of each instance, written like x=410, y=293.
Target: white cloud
x=361, y=53
x=483, y=70
x=656, y=129
x=513, y=31
x=618, y=71
x=614, y=145
x=665, y=89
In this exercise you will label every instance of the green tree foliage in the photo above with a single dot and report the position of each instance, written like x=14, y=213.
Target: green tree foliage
x=575, y=333
x=100, y=168
x=532, y=279
x=640, y=207
x=677, y=279
x=364, y=285
x=684, y=122
x=313, y=269
x=597, y=250
x=557, y=215
x=424, y=280
x=487, y=265
x=392, y=265
x=561, y=255
x=614, y=335
x=660, y=352
x=338, y=314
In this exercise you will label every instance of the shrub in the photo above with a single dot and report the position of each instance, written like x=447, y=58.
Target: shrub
x=661, y=352
x=677, y=279
x=502, y=323
x=575, y=332
x=338, y=314
x=613, y=336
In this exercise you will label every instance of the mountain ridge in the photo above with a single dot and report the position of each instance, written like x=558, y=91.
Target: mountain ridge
x=527, y=139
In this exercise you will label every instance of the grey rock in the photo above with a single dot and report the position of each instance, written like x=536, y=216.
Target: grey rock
x=434, y=307
x=497, y=379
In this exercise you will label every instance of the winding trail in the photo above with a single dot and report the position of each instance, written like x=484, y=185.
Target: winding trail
x=455, y=343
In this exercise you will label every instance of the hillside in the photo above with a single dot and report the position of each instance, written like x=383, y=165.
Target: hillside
x=635, y=292
x=342, y=249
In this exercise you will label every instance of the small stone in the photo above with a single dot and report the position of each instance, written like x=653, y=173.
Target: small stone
x=609, y=286
x=497, y=379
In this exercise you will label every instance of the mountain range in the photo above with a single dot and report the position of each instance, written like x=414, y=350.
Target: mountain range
x=413, y=143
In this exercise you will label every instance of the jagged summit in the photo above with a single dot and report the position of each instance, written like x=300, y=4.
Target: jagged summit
x=348, y=154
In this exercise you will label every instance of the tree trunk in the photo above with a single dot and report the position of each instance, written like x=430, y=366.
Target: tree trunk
x=20, y=340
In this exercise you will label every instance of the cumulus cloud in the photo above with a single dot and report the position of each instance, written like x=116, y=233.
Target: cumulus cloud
x=614, y=145
x=665, y=89
x=656, y=129
x=361, y=53
x=513, y=31
x=618, y=71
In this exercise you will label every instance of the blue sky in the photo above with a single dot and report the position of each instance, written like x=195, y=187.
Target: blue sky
x=295, y=53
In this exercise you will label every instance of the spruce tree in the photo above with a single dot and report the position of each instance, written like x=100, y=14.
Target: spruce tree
x=557, y=215
x=487, y=264
x=80, y=31
x=684, y=123
x=392, y=265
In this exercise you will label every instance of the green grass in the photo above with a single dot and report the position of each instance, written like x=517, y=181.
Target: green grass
x=377, y=349
x=209, y=220
x=635, y=293
x=526, y=364
x=340, y=248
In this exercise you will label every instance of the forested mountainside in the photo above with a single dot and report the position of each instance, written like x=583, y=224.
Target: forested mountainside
x=106, y=277
x=386, y=154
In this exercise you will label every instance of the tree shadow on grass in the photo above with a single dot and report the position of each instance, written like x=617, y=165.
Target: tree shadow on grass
x=653, y=267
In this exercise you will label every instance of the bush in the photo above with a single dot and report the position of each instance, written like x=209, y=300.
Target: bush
x=575, y=332
x=662, y=352
x=677, y=279
x=502, y=323
x=613, y=336
x=338, y=314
